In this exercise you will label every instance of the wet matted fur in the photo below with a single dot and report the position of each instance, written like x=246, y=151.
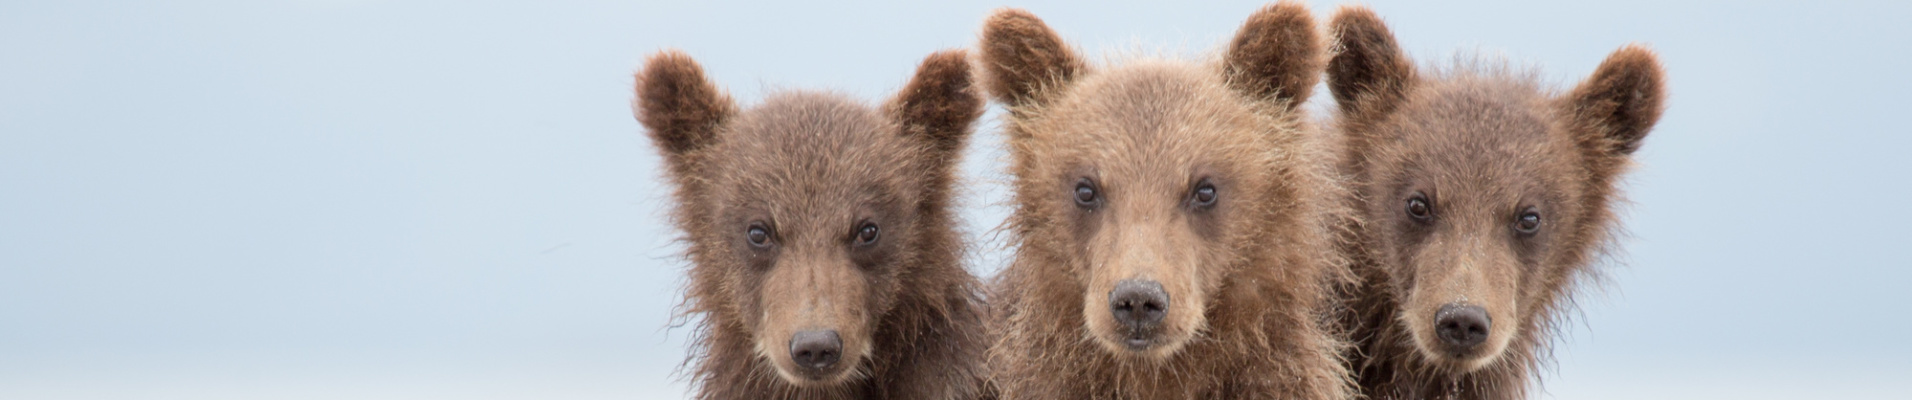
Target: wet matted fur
x=812, y=212
x=1204, y=179
x=1483, y=200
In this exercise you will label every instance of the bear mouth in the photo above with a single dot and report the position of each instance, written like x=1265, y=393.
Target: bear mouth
x=1462, y=356
x=1151, y=344
x=1462, y=360
x=1469, y=361
x=804, y=377
x=1139, y=342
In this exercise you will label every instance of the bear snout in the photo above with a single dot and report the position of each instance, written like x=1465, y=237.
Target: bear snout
x=1462, y=327
x=816, y=351
x=1139, y=306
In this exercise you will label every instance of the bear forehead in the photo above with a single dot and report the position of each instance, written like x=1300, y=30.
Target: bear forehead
x=1148, y=112
x=813, y=141
x=1480, y=144
x=813, y=155
x=1486, y=128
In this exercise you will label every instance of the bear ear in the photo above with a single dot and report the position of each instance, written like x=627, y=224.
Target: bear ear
x=1368, y=71
x=1022, y=57
x=1276, y=54
x=678, y=105
x=1621, y=101
x=940, y=102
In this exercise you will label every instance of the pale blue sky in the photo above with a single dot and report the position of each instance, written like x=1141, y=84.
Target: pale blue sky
x=399, y=199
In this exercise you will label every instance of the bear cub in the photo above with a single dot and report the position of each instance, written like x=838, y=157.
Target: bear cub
x=1483, y=200
x=1173, y=219
x=824, y=260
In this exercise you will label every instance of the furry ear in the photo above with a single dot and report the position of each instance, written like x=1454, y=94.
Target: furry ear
x=1369, y=71
x=678, y=105
x=940, y=102
x=1277, y=53
x=1022, y=56
x=1621, y=101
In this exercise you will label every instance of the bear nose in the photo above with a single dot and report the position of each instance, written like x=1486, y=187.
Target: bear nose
x=816, y=350
x=1462, y=326
x=1139, y=304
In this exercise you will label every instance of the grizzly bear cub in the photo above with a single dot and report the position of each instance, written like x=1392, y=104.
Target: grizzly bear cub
x=1173, y=220
x=824, y=258
x=1483, y=199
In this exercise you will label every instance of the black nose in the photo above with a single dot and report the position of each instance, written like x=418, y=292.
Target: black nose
x=816, y=350
x=1462, y=326
x=1140, y=305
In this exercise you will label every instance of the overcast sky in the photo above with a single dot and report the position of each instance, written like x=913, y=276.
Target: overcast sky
x=395, y=199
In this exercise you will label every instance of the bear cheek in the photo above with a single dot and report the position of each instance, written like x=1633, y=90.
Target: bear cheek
x=1097, y=319
x=1187, y=299
x=1418, y=316
x=1507, y=326
x=1400, y=260
x=1095, y=268
x=1096, y=316
x=746, y=302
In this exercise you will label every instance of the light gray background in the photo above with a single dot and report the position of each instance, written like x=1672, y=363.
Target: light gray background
x=401, y=199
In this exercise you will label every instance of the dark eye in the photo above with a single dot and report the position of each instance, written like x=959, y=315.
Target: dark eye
x=758, y=235
x=1085, y=193
x=867, y=234
x=1204, y=195
x=1528, y=222
x=1418, y=208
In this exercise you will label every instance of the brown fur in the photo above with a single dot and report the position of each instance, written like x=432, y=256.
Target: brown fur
x=1023, y=57
x=812, y=168
x=1266, y=58
x=1482, y=145
x=1246, y=278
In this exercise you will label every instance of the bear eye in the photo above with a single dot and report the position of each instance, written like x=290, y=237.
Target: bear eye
x=867, y=234
x=1085, y=195
x=1418, y=208
x=1528, y=223
x=759, y=235
x=1204, y=195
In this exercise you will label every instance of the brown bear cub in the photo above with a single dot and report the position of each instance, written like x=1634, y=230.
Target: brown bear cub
x=1484, y=201
x=824, y=259
x=1173, y=220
